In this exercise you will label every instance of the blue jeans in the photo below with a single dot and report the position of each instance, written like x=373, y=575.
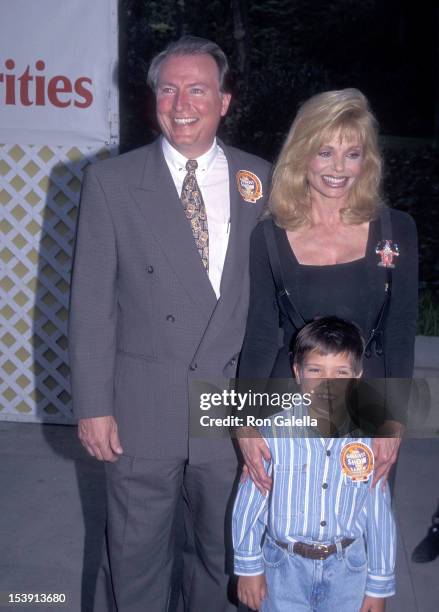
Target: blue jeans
x=296, y=584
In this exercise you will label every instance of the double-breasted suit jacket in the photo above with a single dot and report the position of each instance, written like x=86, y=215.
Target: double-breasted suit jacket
x=144, y=319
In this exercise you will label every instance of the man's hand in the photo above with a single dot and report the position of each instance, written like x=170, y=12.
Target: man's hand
x=385, y=451
x=373, y=604
x=252, y=590
x=253, y=449
x=100, y=438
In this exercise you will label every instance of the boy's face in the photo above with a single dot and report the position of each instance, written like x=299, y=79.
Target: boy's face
x=326, y=378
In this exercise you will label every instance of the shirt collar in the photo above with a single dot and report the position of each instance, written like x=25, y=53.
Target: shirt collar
x=177, y=161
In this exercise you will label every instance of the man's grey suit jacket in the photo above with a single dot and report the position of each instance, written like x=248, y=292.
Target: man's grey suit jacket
x=144, y=319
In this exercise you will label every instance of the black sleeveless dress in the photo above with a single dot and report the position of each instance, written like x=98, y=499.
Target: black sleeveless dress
x=354, y=291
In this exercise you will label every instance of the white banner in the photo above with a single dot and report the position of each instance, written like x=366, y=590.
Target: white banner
x=58, y=112
x=57, y=72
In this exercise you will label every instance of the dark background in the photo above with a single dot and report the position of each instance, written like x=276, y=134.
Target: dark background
x=282, y=52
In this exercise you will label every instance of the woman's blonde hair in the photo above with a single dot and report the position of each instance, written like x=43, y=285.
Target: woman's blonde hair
x=346, y=113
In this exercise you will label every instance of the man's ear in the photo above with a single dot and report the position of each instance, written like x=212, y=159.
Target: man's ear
x=225, y=102
x=296, y=371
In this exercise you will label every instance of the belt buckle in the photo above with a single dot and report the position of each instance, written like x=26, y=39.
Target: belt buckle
x=323, y=549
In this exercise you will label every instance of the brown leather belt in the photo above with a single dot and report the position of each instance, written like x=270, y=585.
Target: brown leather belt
x=314, y=551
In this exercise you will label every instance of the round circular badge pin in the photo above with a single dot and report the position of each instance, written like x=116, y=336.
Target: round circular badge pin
x=249, y=185
x=356, y=460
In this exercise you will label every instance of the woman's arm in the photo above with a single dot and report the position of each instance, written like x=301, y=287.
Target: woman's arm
x=259, y=351
x=400, y=331
x=399, y=342
x=261, y=341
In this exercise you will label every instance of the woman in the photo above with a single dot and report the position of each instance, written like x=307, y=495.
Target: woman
x=339, y=252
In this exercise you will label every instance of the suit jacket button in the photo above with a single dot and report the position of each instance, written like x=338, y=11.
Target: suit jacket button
x=193, y=366
x=150, y=269
x=170, y=318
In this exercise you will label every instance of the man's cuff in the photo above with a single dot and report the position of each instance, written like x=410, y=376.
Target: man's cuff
x=380, y=586
x=248, y=565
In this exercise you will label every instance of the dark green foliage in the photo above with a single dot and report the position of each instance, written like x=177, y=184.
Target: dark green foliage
x=428, y=321
x=411, y=183
x=288, y=50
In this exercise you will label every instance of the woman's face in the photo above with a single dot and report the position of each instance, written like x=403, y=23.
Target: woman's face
x=335, y=167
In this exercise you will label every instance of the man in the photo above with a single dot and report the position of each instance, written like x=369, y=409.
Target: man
x=159, y=298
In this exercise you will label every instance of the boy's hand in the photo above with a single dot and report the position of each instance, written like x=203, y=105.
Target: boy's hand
x=373, y=604
x=252, y=590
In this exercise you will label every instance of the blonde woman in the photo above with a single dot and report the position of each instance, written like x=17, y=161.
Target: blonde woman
x=339, y=252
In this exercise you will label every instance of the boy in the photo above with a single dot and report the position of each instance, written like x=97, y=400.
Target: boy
x=303, y=547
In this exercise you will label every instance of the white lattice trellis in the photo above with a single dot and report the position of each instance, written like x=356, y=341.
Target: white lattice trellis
x=39, y=193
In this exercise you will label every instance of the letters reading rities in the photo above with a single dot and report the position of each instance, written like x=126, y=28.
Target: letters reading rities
x=29, y=89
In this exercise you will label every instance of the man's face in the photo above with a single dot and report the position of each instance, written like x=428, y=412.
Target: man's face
x=326, y=378
x=189, y=102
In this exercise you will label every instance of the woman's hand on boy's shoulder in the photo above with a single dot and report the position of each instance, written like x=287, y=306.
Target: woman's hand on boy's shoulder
x=254, y=449
x=385, y=451
x=252, y=590
x=373, y=604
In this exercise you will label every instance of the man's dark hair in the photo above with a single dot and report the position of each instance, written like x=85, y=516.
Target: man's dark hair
x=192, y=45
x=329, y=336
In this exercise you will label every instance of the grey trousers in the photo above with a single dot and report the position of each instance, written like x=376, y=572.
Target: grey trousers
x=143, y=496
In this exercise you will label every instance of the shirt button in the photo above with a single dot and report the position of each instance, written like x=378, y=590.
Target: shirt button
x=328, y=453
x=150, y=269
x=323, y=523
x=325, y=485
x=232, y=361
x=170, y=318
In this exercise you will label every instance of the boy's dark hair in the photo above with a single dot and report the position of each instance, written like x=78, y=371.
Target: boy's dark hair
x=329, y=336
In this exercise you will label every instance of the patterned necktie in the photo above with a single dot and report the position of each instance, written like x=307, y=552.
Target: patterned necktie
x=195, y=211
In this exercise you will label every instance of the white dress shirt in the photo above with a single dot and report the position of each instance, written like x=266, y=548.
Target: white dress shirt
x=213, y=180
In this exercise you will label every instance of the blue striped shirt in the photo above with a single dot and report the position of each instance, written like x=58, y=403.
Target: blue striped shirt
x=312, y=501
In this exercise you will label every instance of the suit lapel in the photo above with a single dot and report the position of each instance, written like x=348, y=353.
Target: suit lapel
x=241, y=215
x=158, y=201
x=235, y=254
